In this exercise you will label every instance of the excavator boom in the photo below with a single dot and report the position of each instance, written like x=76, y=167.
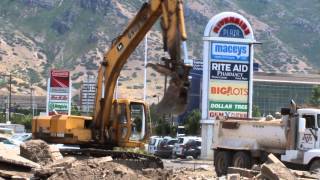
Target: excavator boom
x=173, y=28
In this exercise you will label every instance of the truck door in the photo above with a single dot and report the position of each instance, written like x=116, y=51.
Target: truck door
x=308, y=138
x=138, y=121
x=318, y=131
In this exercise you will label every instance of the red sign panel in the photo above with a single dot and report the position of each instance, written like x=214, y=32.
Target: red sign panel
x=59, y=97
x=59, y=78
x=234, y=20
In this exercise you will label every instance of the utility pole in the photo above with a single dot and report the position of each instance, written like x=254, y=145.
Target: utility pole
x=145, y=68
x=30, y=85
x=10, y=97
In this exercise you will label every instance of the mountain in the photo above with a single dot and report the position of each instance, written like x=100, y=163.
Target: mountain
x=37, y=35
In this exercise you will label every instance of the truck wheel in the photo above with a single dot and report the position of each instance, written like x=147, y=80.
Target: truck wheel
x=315, y=166
x=222, y=160
x=242, y=159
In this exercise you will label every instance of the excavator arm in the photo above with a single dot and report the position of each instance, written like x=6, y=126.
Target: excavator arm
x=172, y=23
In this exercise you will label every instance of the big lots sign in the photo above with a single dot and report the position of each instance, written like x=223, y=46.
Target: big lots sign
x=227, y=67
x=59, y=92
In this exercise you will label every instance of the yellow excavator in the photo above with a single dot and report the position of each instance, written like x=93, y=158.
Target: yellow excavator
x=123, y=122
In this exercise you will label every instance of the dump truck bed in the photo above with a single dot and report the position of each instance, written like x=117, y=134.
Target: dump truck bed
x=250, y=135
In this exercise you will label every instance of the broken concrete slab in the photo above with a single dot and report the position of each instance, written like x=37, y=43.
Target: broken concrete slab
x=276, y=171
x=273, y=159
x=12, y=157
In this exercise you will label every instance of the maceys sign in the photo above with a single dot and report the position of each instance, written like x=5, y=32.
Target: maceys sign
x=229, y=52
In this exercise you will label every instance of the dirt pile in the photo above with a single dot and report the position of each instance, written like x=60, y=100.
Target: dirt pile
x=95, y=168
x=40, y=152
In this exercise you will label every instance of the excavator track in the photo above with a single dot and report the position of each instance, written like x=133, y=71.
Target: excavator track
x=133, y=160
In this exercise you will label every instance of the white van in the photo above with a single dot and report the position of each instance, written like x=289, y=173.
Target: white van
x=180, y=145
x=153, y=144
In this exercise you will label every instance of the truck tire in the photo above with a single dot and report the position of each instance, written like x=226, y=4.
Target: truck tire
x=315, y=166
x=222, y=160
x=242, y=159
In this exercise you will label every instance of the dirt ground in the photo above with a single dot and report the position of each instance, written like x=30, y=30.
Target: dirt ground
x=46, y=166
x=48, y=163
x=97, y=168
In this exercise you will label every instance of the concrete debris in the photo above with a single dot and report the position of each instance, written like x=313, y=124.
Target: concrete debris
x=8, y=175
x=243, y=172
x=276, y=172
x=40, y=152
x=54, y=166
x=10, y=156
x=48, y=170
x=233, y=177
x=272, y=169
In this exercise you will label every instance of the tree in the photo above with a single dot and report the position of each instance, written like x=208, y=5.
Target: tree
x=22, y=119
x=159, y=125
x=256, y=111
x=75, y=110
x=192, y=123
x=315, y=96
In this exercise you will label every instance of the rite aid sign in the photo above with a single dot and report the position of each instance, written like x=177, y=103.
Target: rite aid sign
x=227, y=67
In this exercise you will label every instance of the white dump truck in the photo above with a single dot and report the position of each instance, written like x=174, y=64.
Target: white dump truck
x=294, y=138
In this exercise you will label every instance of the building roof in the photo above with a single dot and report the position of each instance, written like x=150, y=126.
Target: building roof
x=287, y=78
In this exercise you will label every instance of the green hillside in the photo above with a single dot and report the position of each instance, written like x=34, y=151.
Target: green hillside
x=73, y=34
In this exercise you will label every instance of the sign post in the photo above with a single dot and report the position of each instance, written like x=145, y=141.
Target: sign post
x=227, y=72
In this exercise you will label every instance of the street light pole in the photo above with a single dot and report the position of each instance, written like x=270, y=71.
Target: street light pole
x=32, y=100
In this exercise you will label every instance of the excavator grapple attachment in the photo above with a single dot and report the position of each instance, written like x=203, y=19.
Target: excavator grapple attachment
x=175, y=98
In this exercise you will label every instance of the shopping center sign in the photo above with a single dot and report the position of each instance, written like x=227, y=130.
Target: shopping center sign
x=59, y=92
x=227, y=67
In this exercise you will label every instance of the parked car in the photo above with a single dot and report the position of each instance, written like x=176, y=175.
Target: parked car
x=6, y=142
x=20, y=138
x=180, y=145
x=3, y=139
x=153, y=144
x=165, y=148
x=192, y=148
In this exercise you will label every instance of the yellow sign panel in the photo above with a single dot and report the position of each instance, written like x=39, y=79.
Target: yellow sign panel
x=228, y=91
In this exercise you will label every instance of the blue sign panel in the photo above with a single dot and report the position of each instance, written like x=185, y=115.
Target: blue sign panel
x=230, y=52
x=229, y=71
x=231, y=31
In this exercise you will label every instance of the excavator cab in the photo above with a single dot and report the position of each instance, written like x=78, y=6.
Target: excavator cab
x=128, y=123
